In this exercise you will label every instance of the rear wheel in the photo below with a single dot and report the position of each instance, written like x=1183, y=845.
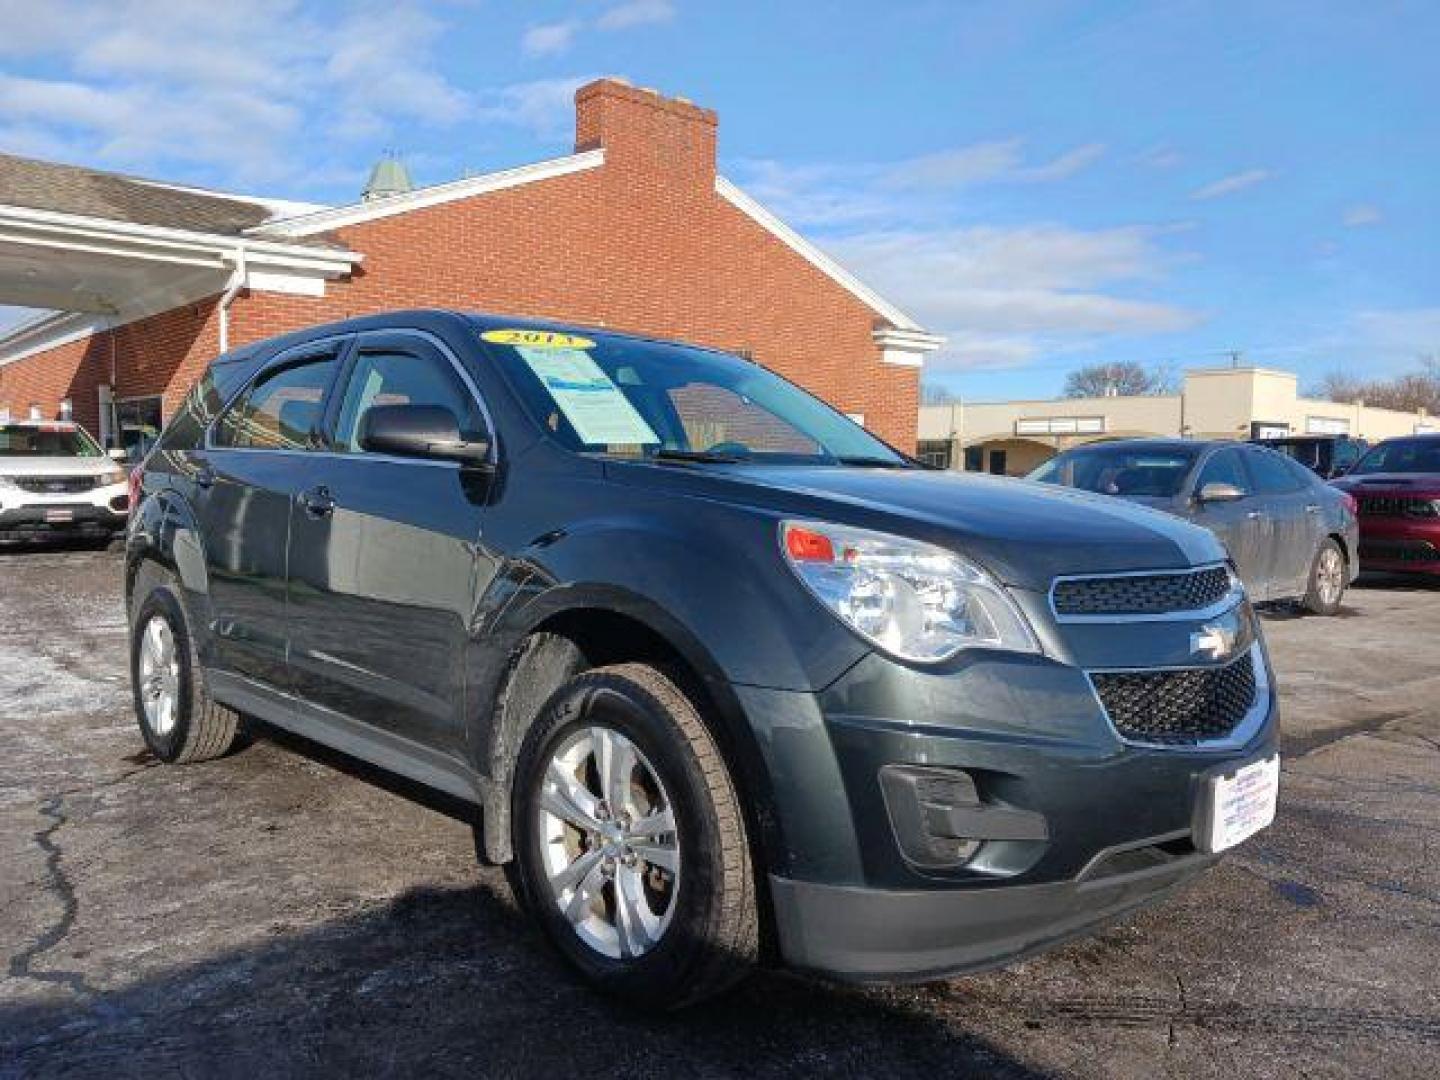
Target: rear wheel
x=630, y=846
x=177, y=717
x=1329, y=575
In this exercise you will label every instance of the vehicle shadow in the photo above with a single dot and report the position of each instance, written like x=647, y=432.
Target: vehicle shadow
x=1417, y=583
x=450, y=982
x=59, y=545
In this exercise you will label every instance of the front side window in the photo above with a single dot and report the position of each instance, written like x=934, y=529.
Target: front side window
x=1271, y=475
x=394, y=376
x=281, y=410
x=1225, y=468
x=46, y=440
x=654, y=399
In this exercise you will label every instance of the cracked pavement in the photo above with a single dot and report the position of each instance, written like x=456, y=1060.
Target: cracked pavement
x=284, y=912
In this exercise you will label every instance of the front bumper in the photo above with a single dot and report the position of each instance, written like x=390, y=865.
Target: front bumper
x=1400, y=545
x=100, y=512
x=913, y=935
x=1078, y=826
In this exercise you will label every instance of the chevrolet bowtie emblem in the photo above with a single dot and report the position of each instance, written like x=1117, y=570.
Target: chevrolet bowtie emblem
x=1213, y=642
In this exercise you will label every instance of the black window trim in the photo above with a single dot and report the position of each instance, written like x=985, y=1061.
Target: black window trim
x=358, y=343
x=338, y=345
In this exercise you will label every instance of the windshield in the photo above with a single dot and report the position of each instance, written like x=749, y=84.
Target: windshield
x=40, y=440
x=1120, y=470
x=1401, y=456
x=651, y=399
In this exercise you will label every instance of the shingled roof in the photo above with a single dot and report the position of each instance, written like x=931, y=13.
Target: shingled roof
x=72, y=189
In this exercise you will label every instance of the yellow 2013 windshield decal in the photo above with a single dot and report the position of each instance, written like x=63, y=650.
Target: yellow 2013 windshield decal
x=537, y=339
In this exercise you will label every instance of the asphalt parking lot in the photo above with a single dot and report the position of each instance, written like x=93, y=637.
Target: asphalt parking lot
x=282, y=912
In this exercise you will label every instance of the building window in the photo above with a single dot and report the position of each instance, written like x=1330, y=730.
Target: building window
x=974, y=459
x=934, y=452
x=1326, y=425
x=136, y=426
x=1060, y=425
x=998, y=462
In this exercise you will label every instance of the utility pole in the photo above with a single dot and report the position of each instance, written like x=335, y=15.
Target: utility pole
x=1235, y=355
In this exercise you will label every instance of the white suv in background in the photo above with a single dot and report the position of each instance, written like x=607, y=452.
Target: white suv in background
x=56, y=481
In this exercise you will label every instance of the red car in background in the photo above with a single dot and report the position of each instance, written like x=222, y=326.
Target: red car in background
x=1396, y=488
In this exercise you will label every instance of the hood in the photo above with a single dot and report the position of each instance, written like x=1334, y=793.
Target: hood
x=1415, y=485
x=1023, y=532
x=38, y=465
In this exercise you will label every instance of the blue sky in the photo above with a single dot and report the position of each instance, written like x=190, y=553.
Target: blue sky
x=1047, y=183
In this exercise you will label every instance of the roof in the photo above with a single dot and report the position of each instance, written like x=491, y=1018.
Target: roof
x=90, y=193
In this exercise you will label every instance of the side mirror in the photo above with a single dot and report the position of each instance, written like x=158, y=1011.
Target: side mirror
x=1218, y=491
x=421, y=431
x=117, y=453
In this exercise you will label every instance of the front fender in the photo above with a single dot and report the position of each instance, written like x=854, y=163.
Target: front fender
x=164, y=529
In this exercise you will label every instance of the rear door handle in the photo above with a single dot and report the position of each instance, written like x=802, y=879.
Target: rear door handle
x=1312, y=508
x=317, y=501
x=204, y=475
x=1253, y=515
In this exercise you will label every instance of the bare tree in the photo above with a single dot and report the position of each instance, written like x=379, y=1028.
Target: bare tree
x=934, y=394
x=1123, y=378
x=1406, y=393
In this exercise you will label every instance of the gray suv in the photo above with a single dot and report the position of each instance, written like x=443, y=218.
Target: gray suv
x=726, y=678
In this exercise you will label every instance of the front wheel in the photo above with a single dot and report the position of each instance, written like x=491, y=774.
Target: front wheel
x=630, y=844
x=1328, y=578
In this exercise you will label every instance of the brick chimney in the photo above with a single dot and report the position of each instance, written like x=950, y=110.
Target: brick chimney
x=644, y=130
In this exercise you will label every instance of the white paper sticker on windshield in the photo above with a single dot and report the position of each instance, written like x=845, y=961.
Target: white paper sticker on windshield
x=594, y=405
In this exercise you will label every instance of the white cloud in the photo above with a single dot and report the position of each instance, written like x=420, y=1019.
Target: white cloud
x=1362, y=214
x=1228, y=185
x=550, y=39
x=986, y=162
x=636, y=13
x=145, y=85
x=1003, y=295
x=546, y=107
x=1162, y=156
x=1414, y=331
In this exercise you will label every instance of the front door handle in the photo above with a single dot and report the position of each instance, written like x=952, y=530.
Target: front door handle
x=1253, y=515
x=318, y=501
x=204, y=476
x=1312, y=508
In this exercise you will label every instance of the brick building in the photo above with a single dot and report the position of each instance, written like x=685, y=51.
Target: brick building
x=634, y=231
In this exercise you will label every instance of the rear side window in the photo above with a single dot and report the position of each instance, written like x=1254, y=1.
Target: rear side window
x=1272, y=476
x=1225, y=467
x=401, y=376
x=280, y=410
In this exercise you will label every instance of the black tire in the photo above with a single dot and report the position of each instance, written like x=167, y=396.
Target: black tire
x=712, y=940
x=201, y=729
x=1322, y=594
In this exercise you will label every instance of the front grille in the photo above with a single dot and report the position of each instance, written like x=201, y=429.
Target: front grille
x=1184, y=707
x=1399, y=550
x=55, y=485
x=1397, y=506
x=1142, y=594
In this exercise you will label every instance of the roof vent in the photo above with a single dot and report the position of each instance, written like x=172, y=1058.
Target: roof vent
x=388, y=177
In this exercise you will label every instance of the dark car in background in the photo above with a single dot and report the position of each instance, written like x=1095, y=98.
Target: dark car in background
x=722, y=672
x=1327, y=456
x=1396, y=488
x=1290, y=536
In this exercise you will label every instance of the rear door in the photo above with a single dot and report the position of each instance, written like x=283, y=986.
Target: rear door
x=1240, y=523
x=1291, y=543
x=258, y=451
x=387, y=556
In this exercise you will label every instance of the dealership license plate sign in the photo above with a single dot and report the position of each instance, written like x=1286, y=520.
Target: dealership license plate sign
x=1242, y=804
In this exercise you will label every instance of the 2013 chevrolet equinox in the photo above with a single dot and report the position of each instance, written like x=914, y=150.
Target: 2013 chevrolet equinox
x=728, y=676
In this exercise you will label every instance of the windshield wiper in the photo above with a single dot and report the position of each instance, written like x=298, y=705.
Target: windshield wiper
x=694, y=455
x=860, y=461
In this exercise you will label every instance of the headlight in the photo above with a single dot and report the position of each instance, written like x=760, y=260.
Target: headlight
x=6, y=483
x=914, y=600
x=112, y=476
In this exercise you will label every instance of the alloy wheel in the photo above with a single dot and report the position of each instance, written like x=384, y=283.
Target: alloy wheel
x=159, y=675
x=1330, y=576
x=610, y=850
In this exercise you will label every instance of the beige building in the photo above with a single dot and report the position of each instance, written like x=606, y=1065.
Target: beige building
x=1013, y=437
